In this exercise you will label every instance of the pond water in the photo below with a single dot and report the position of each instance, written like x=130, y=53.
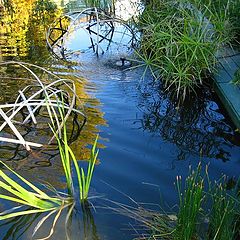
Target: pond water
x=146, y=139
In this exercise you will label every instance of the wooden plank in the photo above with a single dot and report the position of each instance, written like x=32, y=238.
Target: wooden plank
x=230, y=96
x=226, y=52
x=229, y=93
x=222, y=76
x=229, y=66
x=236, y=59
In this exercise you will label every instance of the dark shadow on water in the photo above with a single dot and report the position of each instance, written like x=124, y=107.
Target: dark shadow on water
x=196, y=125
x=82, y=224
x=15, y=228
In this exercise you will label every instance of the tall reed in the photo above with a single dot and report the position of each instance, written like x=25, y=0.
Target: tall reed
x=202, y=206
x=68, y=159
x=223, y=215
x=33, y=200
x=190, y=203
x=84, y=179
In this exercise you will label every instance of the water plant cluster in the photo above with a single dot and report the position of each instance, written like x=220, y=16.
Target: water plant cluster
x=182, y=39
x=226, y=10
x=180, y=42
x=68, y=159
x=32, y=200
x=206, y=210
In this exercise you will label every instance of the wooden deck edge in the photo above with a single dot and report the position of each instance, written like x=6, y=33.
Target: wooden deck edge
x=228, y=92
x=228, y=103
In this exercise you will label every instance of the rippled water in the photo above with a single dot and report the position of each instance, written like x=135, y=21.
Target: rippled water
x=146, y=139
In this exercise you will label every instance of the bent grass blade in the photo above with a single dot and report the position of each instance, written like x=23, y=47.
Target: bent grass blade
x=68, y=157
x=37, y=199
x=84, y=180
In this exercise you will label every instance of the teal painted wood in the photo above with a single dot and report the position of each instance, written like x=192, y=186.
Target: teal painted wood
x=229, y=63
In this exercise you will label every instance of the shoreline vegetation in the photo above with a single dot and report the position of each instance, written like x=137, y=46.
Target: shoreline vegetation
x=206, y=210
x=30, y=199
x=181, y=39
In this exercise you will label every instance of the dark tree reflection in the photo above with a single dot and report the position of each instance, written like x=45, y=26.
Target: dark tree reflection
x=195, y=126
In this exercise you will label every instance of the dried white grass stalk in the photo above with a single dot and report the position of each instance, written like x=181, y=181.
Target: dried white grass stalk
x=47, y=95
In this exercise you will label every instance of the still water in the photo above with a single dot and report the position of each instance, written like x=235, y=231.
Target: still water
x=146, y=138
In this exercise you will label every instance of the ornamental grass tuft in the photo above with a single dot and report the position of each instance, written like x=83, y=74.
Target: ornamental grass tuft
x=181, y=40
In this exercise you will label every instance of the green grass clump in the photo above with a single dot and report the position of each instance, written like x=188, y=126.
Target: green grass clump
x=190, y=204
x=180, y=41
x=68, y=159
x=223, y=216
x=32, y=200
x=84, y=179
x=205, y=211
x=226, y=10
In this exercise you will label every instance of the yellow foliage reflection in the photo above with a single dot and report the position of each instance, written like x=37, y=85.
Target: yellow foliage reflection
x=23, y=26
x=22, y=22
x=95, y=118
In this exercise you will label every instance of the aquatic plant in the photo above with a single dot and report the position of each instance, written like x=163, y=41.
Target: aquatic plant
x=38, y=201
x=36, y=198
x=55, y=98
x=223, y=11
x=223, y=216
x=182, y=41
x=31, y=197
x=202, y=205
x=84, y=179
x=68, y=158
x=190, y=203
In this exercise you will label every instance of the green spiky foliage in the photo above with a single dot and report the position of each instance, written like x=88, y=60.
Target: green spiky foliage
x=34, y=198
x=70, y=162
x=180, y=41
x=223, y=215
x=191, y=196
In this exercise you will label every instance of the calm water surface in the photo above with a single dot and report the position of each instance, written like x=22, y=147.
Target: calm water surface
x=146, y=139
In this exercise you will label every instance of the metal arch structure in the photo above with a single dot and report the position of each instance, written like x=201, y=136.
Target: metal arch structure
x=87, y=20
x=40, y=96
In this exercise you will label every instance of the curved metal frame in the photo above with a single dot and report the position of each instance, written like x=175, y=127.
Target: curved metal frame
x=55, y=94
x=99, y=17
